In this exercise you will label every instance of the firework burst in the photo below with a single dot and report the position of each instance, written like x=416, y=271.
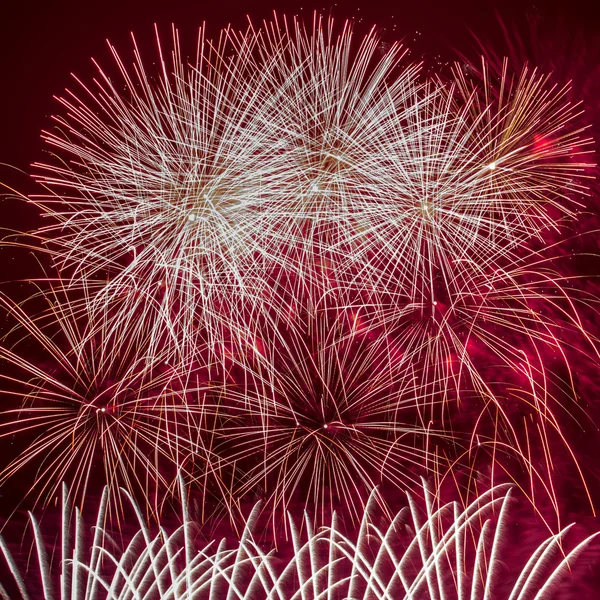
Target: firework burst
x=86, y=409
x=320, y=412
x=184, y=191
x=290, y=271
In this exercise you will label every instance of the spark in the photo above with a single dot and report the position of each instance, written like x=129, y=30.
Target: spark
x=425, y=551
x=224, y=217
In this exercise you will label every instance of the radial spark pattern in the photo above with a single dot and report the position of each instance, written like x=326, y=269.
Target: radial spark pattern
x=294, y=268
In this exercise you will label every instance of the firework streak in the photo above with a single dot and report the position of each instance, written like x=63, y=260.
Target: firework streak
x=440, y=553
x=289, y=271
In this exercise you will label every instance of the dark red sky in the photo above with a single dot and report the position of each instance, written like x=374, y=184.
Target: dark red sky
x=42, y=41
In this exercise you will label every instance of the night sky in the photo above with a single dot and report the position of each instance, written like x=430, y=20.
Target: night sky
x=42, y=42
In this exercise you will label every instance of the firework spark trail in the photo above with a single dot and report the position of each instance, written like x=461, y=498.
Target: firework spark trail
x=86, y=411
x=321, y=412
x=428, y=550
x=201, y=217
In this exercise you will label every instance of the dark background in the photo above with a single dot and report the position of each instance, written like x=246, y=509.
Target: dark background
x=42, y=42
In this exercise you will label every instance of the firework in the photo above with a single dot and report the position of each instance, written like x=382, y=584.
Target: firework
x=295, y=269
x=440, y=552
x=342, y=402
x=292, y=270
x=320, y=412
x=86, y=409
x=501, y=351
x=183, y=190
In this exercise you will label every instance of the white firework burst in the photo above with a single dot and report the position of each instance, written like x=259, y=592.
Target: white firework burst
x=196, y=191
x=440, y=552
